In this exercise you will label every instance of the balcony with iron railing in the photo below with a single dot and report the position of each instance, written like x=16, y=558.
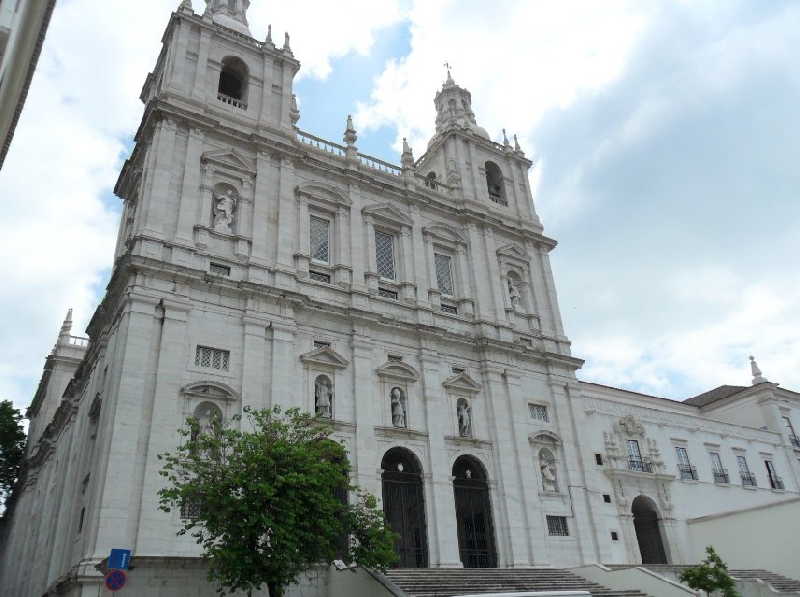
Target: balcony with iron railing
x=643, y=465
x=776, y=482
x=721, y=476
x=795, y=441
x=748, y=479
x=688, y=472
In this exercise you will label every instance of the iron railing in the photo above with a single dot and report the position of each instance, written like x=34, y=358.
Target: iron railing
x=643, y=465
x=776, y=482
x=748, y=479
x=687, y=471
x=795, y=441
x=721, y=476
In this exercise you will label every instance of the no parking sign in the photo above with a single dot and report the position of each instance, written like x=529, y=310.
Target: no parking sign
x=115, y=580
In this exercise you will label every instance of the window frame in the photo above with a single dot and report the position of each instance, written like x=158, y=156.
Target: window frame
x=315, y=216
x=557, y=526
x=392, y=238
x=449, y=258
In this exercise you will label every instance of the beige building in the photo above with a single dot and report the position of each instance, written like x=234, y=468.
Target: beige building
x=412, y=304
x=23, y=24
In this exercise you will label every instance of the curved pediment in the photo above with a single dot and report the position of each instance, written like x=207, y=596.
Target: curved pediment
x=462, y=381
x=317, y=191
x=545, y=438
x=213, y=390
x=445, y=232
x=325, y=356
x=398, y=370
x=388, y=213
x=229, y=159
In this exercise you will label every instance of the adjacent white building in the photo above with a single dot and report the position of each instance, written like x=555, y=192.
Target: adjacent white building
x=414, y=305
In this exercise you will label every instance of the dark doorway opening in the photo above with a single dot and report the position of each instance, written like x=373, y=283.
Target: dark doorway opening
x=648, y=532
x=476, y=544
x=404, y=506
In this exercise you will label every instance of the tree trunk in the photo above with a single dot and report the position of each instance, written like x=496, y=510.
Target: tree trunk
x=275, y=589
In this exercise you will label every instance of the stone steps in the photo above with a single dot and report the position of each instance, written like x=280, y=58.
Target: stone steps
x=446, y=582
x=778, y=582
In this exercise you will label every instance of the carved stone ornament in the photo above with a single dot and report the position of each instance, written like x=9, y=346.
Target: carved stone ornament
x=629, y=427
x=224, y=210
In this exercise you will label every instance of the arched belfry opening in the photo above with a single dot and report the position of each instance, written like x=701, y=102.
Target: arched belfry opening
x=475, y=528
x=648, y=531
x=494, y=183
x=404, y=506
x=233, y=78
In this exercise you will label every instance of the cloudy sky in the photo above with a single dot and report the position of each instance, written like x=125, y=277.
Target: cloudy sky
x=666, y=137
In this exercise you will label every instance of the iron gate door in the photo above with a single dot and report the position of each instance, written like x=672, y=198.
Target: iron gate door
x=476, y=545
x=404, y=506
x=648, y=536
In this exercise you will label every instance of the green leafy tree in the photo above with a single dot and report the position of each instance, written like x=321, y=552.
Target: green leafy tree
x=268, y=505
x=711, y=575
x=12, y=447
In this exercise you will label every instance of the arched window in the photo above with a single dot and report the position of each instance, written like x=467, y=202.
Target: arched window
x=233, y=81
x=494, y=183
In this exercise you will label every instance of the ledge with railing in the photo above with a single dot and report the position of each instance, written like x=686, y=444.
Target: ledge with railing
x=232, y=101
x=78, y=341
x=643, y=465
x=688, y=472
x=721, y=476
x=748, y=479
x=776, y=482
x=795, y=441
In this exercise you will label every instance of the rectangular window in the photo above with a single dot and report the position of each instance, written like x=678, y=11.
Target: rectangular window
x=321, y=344
x=394, y=358
x=449, y=309
x=598, y=459
x=189, y=510
x=389, y=294
x=220, y=270
x=384, y=255
x=790, y=432
x=748, y=478
x=319, y=277
x=720, y=474
x=444, y=274
x=635, y=460
x=320, y=239
x=685, y=468
x=557, y=526
x=212, y=358
x=538, y=412
x=774, y=480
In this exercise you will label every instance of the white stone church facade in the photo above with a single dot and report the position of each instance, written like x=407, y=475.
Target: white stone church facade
x=414, y=305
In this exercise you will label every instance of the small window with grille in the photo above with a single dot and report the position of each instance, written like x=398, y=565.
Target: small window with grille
x=189, y=510
x=219, y=270
x=444, y=275
x=449, y=309
x=319, y=277
x=389, y=294
x=321, y=344
x=557, y=526
x=384, y=255
x=394, y=358
x=538, y=412
x=320, y=239
x=213, y=358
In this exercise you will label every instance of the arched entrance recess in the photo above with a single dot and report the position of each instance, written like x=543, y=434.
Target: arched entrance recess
x=648, y=533
x=404, y=506
x=476, y=545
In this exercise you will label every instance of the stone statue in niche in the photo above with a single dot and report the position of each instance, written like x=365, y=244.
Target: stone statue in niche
x=224, y=208
x=548, y=474
x=464, y=420
x=398, y=410
x=513, y=293
x=322, y=396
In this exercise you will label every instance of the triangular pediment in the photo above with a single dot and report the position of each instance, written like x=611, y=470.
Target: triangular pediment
x=388, y=213
x=320, y=191
x=212, y=390
x=462, y=381
x=398, y=370
x=512, y=251
x=229, y=159
x=325, y=356
x=445, y=232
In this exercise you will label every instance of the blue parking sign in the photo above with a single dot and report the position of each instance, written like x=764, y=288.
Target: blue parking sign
x=119, y=559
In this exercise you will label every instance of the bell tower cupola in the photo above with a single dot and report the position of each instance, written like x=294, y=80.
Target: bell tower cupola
x=229, y=13
x=454, y=110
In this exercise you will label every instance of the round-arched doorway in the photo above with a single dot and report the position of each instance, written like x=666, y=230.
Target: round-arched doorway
x=648, y=531
x=476, y=544
x=404, y=506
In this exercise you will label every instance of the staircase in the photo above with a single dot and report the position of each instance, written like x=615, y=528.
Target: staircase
x=784, y=584
x=446, y=582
